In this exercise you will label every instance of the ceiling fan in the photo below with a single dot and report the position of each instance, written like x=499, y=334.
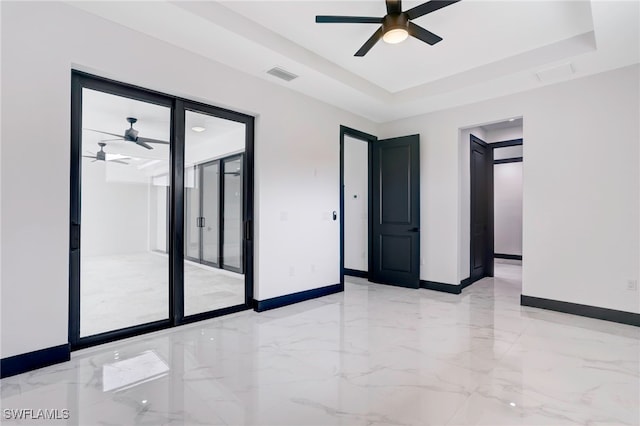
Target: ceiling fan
x=102, y=156
x=131, y=135
x=396, y=24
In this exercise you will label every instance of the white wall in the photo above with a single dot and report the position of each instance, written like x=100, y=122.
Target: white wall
x=297, y=159
x=356, y=204
x=507, y=152
x=507, y=191
x=581, y=187
x=499, y=135
x=115, y=214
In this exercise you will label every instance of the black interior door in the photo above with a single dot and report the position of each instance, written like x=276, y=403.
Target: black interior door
x=395, y=171
x=481, y=210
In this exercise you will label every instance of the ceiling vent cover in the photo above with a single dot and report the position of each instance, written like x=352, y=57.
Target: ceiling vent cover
x=282, y=74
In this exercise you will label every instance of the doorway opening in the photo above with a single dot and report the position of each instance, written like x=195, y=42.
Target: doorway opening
x=387, y=216
x=356, y=205
x=495, y=199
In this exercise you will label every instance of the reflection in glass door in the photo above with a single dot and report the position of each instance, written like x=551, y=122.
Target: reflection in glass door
x=210, y=213
x=192, y=213
x=213, y=146
x=124, y=268
x=202, y=206
x=232, y=222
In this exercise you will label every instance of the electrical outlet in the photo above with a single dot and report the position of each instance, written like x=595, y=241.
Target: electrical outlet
x=421, y=261
x=632, y=285
x=313, y=268
x=292, y=271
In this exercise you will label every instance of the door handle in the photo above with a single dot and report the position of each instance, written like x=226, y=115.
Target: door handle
x=75, y=236
x=247, y=230
x=414, y=230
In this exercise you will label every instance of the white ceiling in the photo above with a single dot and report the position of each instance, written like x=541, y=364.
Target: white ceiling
x=490, y=48
x=501, y=125
x=468, y=41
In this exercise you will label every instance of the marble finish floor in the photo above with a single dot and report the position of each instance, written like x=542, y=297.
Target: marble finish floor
x=125, y=290
x=372, y=355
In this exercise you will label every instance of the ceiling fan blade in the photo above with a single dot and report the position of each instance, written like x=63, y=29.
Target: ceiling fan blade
x=422, y=34
x=394, y=6
x=111, y=140
x=149, y=140
x=428, y=7
x=143, y=144
x=89, y=156
x=370, y=43
x=321, y=19
x=106, y=133
x=118, y=161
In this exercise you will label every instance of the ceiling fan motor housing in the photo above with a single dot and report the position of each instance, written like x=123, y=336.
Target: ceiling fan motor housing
x=131, y=135
x=396, y=21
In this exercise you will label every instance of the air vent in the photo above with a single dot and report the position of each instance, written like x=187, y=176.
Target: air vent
x=282, y=74
x=555, y=74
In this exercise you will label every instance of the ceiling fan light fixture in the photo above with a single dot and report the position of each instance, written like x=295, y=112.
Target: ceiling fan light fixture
x=395, y=28
x=396, y=35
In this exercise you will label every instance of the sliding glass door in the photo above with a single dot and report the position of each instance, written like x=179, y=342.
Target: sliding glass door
x=161, y=208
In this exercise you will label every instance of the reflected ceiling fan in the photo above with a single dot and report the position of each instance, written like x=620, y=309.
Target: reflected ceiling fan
x=396, y=24
x=131, y=135
x=102, y=156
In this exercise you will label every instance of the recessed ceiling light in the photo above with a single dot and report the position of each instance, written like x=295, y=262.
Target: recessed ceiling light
x=198, y=129
x=512, y=119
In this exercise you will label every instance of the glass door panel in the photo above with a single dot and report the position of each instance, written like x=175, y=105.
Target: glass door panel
x=232, y=215
x=159, y=218
x=192, y=214
x=210, y=212
x=208, y=139
x=124, y=268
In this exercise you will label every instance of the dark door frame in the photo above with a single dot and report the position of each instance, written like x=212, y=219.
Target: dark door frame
x=489, y=249
x=368, y=139
x=178, y=106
